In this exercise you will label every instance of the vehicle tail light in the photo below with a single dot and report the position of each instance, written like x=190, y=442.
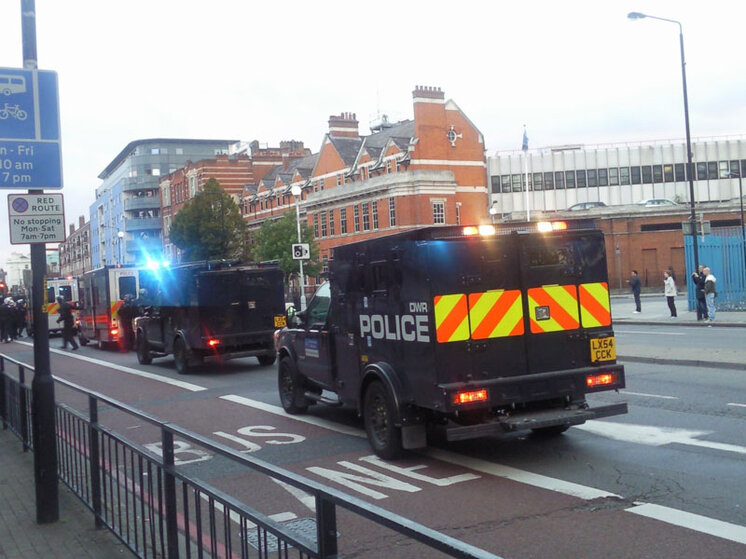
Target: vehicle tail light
x=600, y=380
x=114, y=332
x=467, y=397
x=212, y=342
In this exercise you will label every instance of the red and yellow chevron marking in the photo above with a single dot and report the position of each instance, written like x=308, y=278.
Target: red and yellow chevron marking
x=52, y=308
x=496, y=314
x=562, y=301
x=115, y=308
x=451, y=318
x=595, y=306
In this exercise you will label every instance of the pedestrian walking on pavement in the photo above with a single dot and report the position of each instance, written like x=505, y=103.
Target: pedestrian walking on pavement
x=636, y=286
x=698, y=279
x=710, y=294
x=669, y=290
x=68, y=321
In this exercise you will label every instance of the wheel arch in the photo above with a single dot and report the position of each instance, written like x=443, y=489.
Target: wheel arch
x=391, y=381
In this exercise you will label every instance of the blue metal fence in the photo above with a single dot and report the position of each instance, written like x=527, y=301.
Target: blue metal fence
x=723, y=252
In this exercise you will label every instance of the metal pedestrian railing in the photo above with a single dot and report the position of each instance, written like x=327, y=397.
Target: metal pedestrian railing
x=159, y=508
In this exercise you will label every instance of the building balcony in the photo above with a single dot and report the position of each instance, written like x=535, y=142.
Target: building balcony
x=130, y=184
x=148, y=246
x=142, y=224
x=142, y=203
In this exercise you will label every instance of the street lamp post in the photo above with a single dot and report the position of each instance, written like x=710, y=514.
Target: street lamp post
x=296, y=191
x=120, y=236
x=740, y=199
x=689, y=170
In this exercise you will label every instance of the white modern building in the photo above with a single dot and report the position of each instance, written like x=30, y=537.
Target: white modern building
x=615, y=174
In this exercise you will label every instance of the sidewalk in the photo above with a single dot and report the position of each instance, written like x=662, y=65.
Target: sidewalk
x=72, y=536
x=655, y=313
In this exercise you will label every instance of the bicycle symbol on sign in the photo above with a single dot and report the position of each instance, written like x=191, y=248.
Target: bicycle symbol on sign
x=13, y=110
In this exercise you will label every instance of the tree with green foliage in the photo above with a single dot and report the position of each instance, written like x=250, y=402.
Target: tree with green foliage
x=209, y=226
x=274, y=240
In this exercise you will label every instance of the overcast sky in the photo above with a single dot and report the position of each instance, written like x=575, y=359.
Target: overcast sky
x=572, y=71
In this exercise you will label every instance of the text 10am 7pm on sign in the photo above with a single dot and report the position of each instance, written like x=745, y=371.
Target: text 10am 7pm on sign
x=36, y=218
x=30, y=153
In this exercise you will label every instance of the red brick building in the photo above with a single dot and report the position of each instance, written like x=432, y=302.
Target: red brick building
x=424, y=171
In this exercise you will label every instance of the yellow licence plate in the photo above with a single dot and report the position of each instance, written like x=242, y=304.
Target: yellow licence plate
x=603, y=349
x=280, y=322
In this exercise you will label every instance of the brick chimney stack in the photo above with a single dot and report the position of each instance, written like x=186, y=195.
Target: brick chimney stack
x=427, y=92
x=343, y=126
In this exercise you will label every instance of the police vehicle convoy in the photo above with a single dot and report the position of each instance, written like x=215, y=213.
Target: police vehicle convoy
x=461, y=327
x=211, y=310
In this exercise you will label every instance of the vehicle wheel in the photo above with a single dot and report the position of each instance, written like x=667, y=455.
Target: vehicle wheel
x=142, y=349
x=290, y=387
x=266, y=359
x=181, y=356
x=378, y=415
x=553, y=431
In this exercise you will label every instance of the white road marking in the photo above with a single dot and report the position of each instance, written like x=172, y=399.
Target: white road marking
x=695, y=522
x=151, y=376
x=655, y=436
x=650, y=395
x=649, y=333
x=738, y=405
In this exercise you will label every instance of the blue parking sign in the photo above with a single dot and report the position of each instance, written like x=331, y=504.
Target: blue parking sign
x=30, y=152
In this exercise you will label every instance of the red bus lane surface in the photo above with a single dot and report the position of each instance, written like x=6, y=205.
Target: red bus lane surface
x=508, y=512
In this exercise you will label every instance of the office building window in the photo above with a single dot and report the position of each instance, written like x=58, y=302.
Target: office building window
x=343, y=220
x=340, y=180
x=581, y=178
x=734, y=167
x=701, y=171
x=392, y=212
x=592, y=177
x=331, y=222
x=495, y=184
x=458, y=213
x=678, y=171
x=724, y=169
x=315, y=225
x=657, y=174
x=323, y=224
x=374, y=213
x=356, y=217
x=603, y=177
x=548, y=181
x=712, y=170
x=538, y=181
x=559, y=180
x=439, y=212
x=623, y=175
x=516, y=183
x=635, y=175
x=668, y=173
x=570, y=179
x=647, y=174
x=505, y=183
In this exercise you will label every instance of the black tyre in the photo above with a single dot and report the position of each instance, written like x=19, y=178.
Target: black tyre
x=181, y=356
x=290, y=388
x=378, y=415
x=142, y=349
x=553, y=431
x=266, y=359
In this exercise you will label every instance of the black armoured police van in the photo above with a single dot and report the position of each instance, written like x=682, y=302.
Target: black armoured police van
x=462, y=327
x=211, y=310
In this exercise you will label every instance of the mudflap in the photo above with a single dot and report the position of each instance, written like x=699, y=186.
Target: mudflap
x=533, y=420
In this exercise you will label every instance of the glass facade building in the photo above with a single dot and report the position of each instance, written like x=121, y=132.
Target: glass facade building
x=125, y=218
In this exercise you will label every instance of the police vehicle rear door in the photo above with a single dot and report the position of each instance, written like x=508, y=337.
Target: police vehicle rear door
x=567, y=294
x=477, y=307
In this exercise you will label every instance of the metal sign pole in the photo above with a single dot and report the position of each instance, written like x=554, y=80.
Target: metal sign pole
x=42, y=387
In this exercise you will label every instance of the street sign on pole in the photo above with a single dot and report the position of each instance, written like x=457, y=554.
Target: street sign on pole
x=30, y=153
x=301, y=251
x=36, y=218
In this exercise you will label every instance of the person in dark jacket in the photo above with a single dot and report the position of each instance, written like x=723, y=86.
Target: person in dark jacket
x=698, y=279
x=68, y=322
x=4, y=320
x=636, y=286
x=21, y=310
